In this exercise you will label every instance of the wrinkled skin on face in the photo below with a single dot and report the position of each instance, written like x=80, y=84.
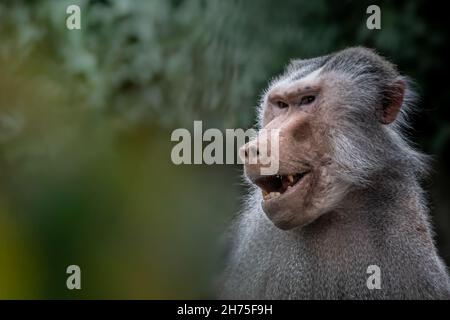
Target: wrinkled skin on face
x=306, y=184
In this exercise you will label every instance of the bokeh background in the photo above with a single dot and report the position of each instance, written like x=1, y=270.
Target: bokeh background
x=86, y=118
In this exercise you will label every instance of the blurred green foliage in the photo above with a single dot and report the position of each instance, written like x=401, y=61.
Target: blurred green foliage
x=86, y=116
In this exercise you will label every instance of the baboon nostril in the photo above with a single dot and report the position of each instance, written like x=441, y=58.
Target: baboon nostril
x=251, y=151
x=254, y=150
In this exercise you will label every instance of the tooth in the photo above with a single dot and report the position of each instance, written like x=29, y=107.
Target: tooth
x=289, y=187
x=276, y=194
x=290, y=178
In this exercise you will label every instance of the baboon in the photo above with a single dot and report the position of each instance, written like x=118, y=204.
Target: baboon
x=347, y=194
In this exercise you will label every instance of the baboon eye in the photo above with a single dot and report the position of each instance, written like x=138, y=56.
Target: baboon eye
x=307, y=100
x=282, y=104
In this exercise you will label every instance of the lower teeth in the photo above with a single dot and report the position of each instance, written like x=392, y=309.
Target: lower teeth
x=287, y=183
x=271, y=195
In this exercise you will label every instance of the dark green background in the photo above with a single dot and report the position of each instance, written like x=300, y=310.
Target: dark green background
x=86, y=118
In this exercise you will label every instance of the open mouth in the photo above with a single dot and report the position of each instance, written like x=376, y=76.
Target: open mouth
x=276, y=185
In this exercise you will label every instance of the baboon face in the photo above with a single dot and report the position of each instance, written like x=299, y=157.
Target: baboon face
x=295, y=195
x=309, y=109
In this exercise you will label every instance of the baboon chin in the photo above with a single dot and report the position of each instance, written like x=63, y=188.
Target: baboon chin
x=311, y=194
x=347, y=192
x=295, y=198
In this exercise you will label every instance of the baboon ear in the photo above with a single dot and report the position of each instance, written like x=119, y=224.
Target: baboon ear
x=393, y=102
